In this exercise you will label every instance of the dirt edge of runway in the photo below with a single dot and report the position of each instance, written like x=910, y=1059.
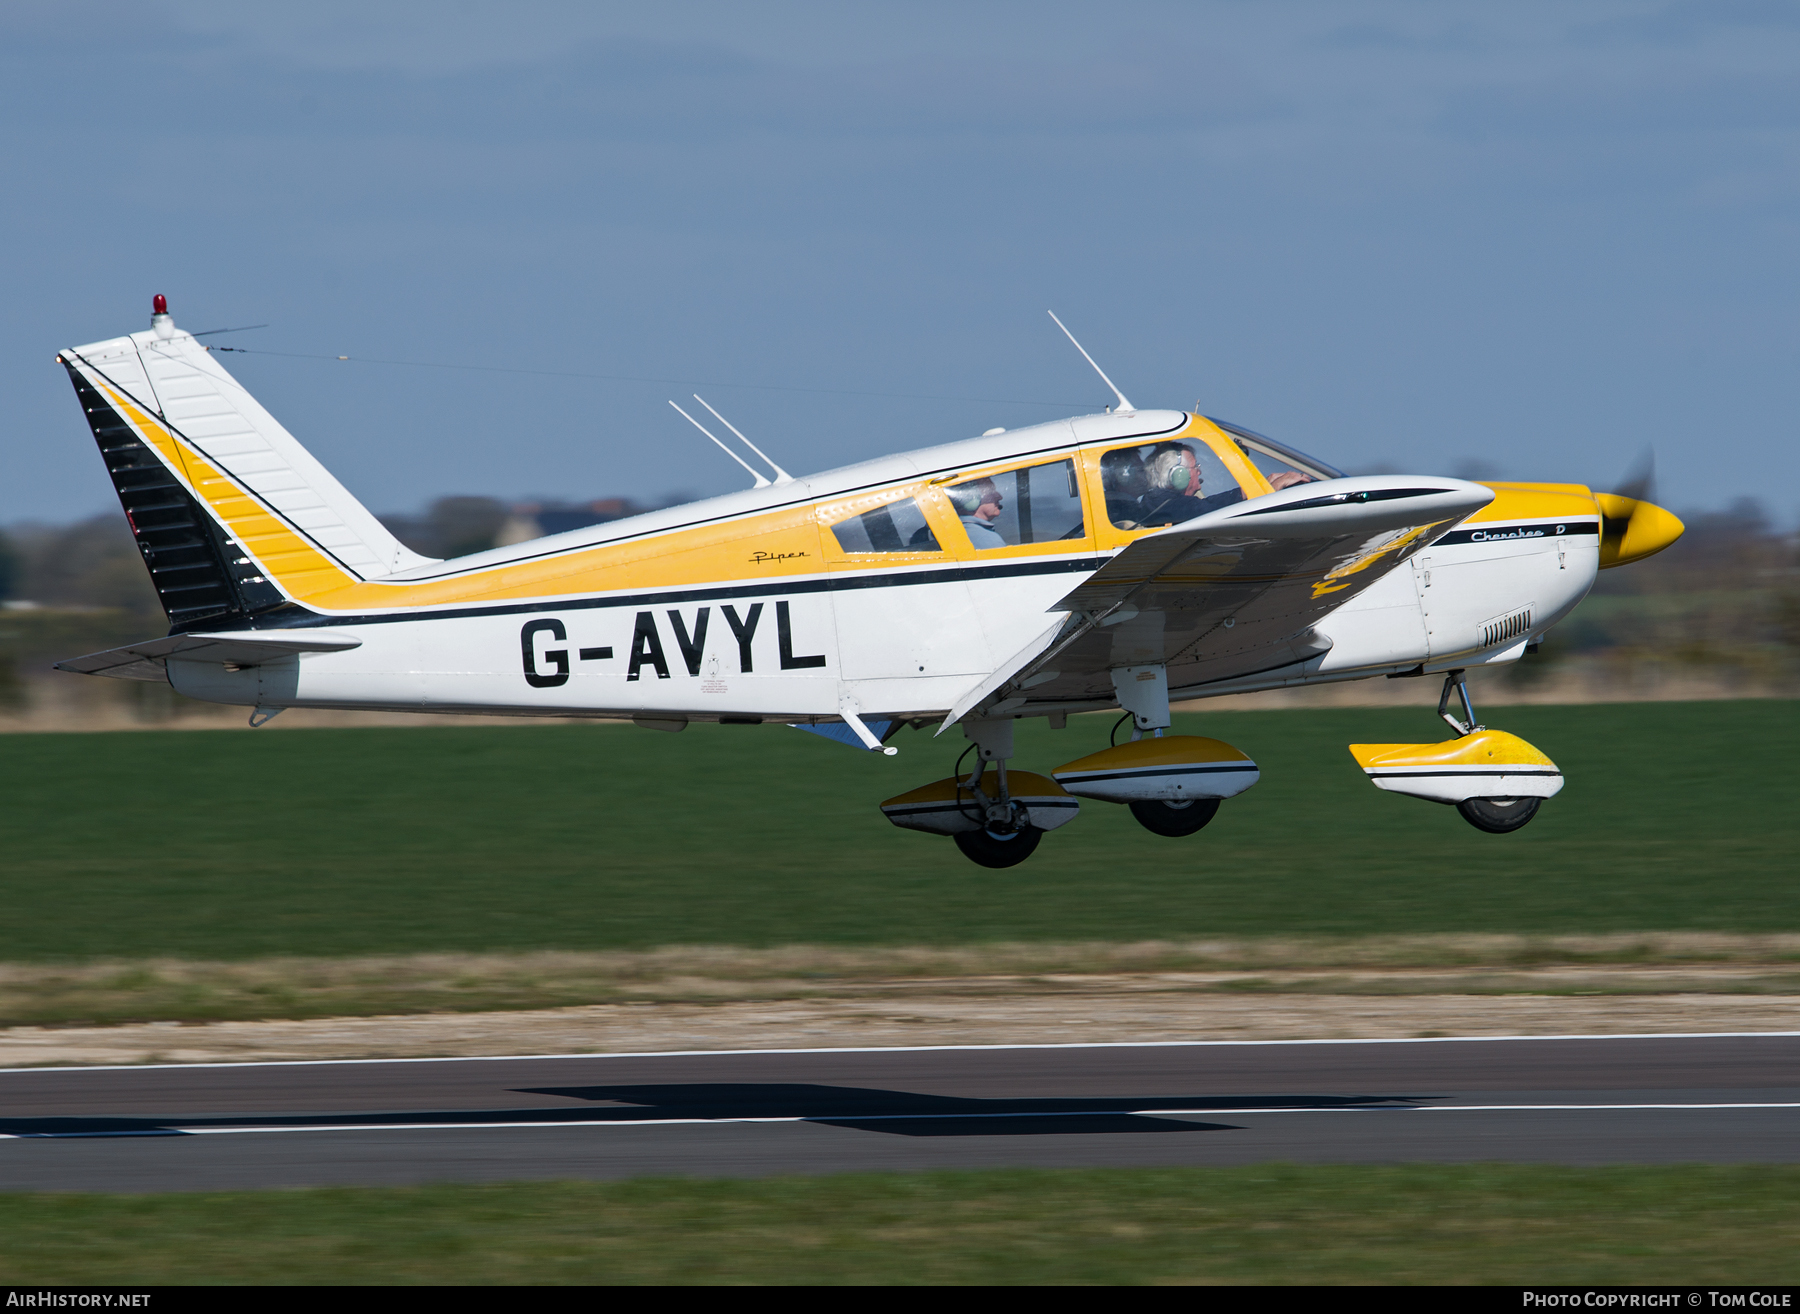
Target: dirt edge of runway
x=268, y=989
x=1091, y=1011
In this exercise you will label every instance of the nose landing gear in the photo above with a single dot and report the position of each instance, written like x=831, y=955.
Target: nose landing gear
x=1496, y=781
x=1498, y=816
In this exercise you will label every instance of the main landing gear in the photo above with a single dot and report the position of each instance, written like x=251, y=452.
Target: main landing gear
x=1003, y=835
x=1172, y=784
x=1174, y=819
x=1496, y=781
x=996, y=819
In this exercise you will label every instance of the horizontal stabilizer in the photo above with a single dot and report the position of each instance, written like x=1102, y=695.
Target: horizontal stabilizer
x=146, y=661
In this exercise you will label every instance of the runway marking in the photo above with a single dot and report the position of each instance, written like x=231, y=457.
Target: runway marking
x=874, y=1117
x=906, y=1049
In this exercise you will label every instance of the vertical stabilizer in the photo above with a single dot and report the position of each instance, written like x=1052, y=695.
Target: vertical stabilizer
x=229, y=510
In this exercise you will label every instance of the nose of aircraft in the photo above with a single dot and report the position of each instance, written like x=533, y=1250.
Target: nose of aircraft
x=1631, y=529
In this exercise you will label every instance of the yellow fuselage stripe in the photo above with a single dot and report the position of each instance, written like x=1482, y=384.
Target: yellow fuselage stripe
x=766, y=547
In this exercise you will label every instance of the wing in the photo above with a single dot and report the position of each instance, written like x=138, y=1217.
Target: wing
x=1238, y=591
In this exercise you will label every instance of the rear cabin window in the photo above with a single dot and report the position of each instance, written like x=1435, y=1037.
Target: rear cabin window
x=1156, y=484
x=897, y=527
x=1039, y=504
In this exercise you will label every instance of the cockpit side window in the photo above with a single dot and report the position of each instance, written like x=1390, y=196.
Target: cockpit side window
x=897, y=527
x=1039, y=504
x=1155, y=484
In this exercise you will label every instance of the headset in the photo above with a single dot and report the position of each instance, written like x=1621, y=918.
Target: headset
x=967, y=498
x=1168, y=467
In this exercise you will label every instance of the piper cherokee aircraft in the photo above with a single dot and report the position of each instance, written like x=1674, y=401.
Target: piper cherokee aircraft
x=1122, y=560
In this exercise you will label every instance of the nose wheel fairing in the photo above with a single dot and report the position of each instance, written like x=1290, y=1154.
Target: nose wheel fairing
x=1488, y=764
x=1495, y=780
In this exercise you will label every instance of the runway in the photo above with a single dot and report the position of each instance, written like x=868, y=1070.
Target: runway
x=1570, y=1100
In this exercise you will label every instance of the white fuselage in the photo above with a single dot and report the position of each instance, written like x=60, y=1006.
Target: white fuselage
x=800, y=648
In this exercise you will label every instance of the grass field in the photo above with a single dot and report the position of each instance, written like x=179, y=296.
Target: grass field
x=348, y=842
x=1266, y=1224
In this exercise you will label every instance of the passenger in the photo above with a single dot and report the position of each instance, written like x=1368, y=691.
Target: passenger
x=1122, y=480
x=977, y=503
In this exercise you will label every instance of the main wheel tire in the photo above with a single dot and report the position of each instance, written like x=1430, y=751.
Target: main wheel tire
x=1174, y=819
x=1498, y=816
x=999, y=850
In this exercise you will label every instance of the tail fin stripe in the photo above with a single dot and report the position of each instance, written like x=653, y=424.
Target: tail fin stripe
x=176, y=447
x=227, y=428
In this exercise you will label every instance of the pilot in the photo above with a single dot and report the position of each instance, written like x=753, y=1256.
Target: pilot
x=1173, y=473
x=977, y=503
x=1122, y=479
x=1288, y=479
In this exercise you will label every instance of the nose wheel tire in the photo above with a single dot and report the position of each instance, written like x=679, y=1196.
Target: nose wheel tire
x=991, y=850
x=1176, y=819
x=1497, y=816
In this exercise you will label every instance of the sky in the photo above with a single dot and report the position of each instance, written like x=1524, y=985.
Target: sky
x=1530, y=240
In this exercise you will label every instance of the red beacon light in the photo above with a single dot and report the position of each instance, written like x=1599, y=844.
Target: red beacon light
x=159, y=304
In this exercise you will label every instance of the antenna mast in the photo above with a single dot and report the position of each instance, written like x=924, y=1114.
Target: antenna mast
x=754, y=474
x=1124, y=401
x=781, y=476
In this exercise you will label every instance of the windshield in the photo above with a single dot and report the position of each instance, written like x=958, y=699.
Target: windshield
x=1281, y=465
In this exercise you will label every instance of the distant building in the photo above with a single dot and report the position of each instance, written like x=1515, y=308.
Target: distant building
x=529, y=520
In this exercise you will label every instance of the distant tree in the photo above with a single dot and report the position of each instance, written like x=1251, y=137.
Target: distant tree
x=451, y=526
x=9, y=566
x=1477, y=471
x=92, y=563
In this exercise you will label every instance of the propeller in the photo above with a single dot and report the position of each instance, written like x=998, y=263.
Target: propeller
x=1631, y=525
x=1639, y=487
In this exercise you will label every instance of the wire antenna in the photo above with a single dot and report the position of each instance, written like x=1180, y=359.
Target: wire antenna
x=754, y=474
x=1124, y=401
x=781, y=476
x=213, y=333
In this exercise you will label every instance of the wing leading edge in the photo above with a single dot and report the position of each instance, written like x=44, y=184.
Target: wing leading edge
x=1237, y=592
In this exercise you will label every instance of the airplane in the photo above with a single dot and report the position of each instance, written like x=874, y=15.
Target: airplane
x=1120, y=561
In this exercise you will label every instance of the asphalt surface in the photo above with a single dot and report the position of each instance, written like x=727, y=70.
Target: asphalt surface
x=1574, y=1100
